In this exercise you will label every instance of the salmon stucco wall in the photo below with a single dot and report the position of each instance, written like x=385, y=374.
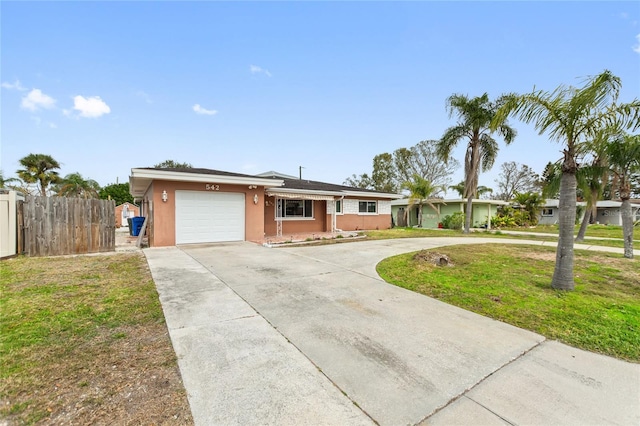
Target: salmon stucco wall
x=164, y=213
x=319, y=222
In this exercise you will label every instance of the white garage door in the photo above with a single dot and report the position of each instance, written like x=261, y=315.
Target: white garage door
x=206, y=217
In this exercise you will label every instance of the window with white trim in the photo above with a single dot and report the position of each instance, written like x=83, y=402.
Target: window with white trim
x=367, y=207
x=294, y=209
x=338, y=206
x=547, y=212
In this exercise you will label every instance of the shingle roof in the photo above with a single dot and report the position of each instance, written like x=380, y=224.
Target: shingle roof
x=198, y=171
x=312, y=185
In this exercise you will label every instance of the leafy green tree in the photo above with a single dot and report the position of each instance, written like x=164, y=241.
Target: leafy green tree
x=39, y=169
x=420, y=191
x=384, y=175
x=119, y=192
x=171, y=164
x=363, y=181
x=571, y=116
x=475, y=116
x=624, y=157
x=74, y=185
x=422, y=159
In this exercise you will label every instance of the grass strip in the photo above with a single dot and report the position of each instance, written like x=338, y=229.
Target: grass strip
x=512, y=284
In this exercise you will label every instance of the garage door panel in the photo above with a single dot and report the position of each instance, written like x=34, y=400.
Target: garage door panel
x=203, y=217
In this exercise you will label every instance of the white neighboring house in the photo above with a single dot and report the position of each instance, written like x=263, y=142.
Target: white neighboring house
x=608, y=212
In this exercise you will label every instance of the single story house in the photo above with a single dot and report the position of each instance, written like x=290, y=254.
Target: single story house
x=194, y=205
x=482, y=211
x=125, y=211
x=608, y=212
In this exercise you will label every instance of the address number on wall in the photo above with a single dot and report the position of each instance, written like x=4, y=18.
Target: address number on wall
x=212, y=187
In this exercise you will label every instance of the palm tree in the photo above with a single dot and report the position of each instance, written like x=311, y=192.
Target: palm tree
x=420, y=190
x=571, y=116
x=624, y=157
x=4, y=182
x=530, y=202
x=459, y=188
x=593, y=177
x=40, y=169
x=74, y=185
x=474, y=118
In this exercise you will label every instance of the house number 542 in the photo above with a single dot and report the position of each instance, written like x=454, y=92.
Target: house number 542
x=212, y=187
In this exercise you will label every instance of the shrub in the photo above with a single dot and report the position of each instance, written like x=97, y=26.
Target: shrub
x=453, y=221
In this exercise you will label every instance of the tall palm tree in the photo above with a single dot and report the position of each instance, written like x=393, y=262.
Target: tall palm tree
x=74, y=185
x=420, y=190
x=475, y=116
x=571, y=116
x=624, y=157
x=40, y=169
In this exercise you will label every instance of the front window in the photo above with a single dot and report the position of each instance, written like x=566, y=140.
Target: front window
x=367, y=207
x=339, y=206
x=294, y=208
x=547, y=212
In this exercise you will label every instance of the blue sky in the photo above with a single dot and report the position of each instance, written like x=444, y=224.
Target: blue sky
x=249, y=87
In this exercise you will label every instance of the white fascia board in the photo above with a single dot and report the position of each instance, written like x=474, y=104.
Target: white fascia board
x=452, y=201
x=371, y=194
x=304, y=191
x=197, y=177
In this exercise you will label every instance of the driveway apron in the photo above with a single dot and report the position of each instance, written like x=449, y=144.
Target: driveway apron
x=318, y=325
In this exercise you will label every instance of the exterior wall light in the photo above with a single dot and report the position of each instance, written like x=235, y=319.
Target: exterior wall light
x=255, y=199
x=165, y=197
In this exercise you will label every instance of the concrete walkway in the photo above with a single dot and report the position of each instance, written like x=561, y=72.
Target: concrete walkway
x=312, y=335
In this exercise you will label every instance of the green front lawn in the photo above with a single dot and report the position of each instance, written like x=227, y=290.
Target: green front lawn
x=512, y=284
x=83, y=340
x=601, y=231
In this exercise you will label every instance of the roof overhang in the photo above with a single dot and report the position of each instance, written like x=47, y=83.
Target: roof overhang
x=140, y=179
x=302, y=194
x=452, y=201
x=376, y=195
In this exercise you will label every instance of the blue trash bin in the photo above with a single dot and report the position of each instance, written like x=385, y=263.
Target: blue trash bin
x=136, y=223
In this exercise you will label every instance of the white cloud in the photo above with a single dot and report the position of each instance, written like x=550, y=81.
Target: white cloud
x=636, y=48
x=202, y=111
x=35, y=100
x=91, y=107
x=258, y=70
x=14, y=86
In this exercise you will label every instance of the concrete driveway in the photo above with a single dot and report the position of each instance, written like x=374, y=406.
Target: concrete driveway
x=312, y=335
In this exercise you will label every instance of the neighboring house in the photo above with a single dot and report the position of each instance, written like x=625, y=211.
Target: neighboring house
x=125, y=211
x=483, y=211
x=608, y=212
x=201, y=205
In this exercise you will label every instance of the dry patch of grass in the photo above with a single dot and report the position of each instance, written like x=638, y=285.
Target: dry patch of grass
x=83, y=341
x=513, y=284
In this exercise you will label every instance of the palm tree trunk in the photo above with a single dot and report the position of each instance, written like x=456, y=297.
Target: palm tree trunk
x=627, y=228
x=563, y=272
x=583, y=226
x=420, y=215
x=467, y=219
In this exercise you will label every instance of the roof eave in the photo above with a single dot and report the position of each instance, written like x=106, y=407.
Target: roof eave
x=144, y=177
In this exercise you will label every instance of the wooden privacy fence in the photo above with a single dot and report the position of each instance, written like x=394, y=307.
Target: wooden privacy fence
x=58, y=225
